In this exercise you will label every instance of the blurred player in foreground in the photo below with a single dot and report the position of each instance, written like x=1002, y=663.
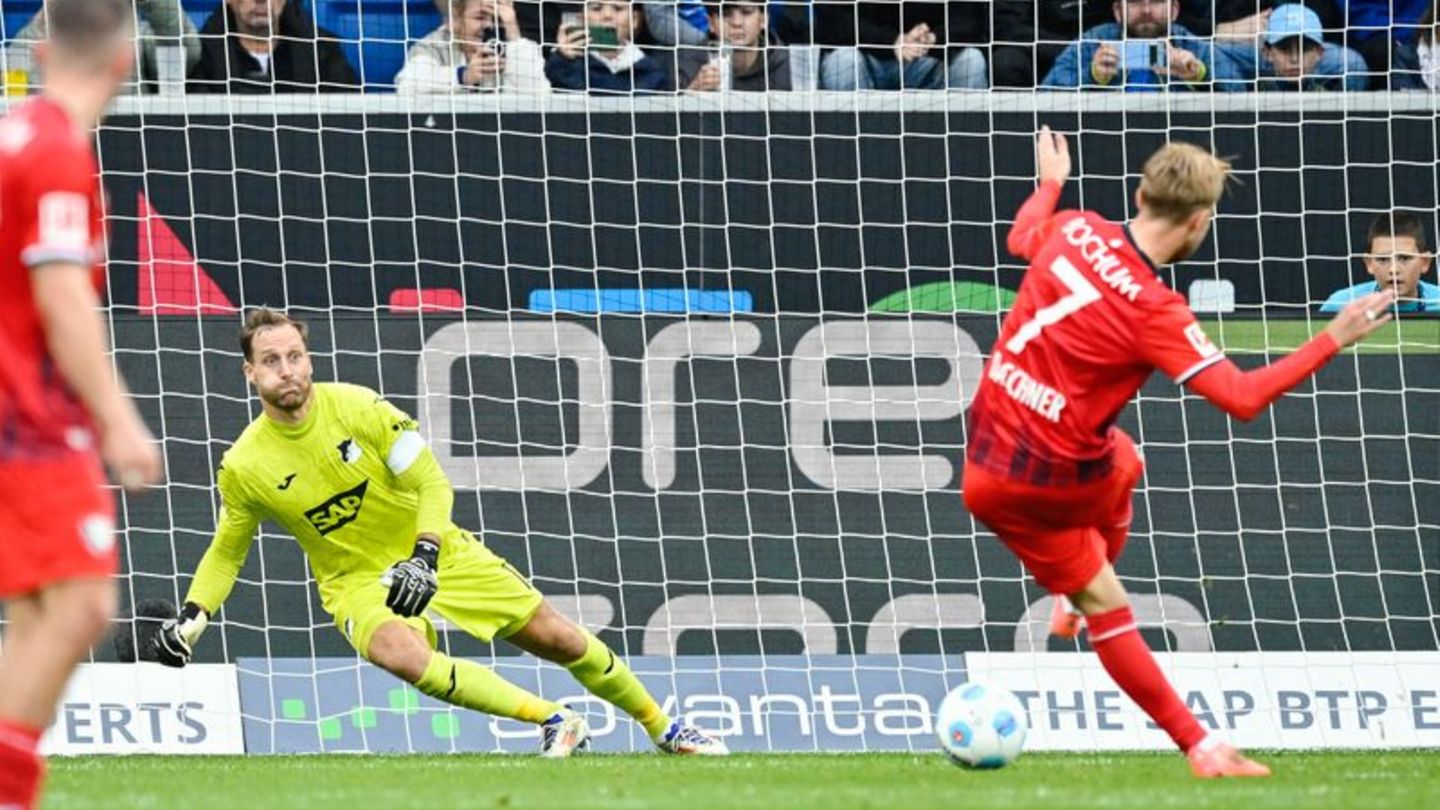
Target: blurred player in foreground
x=62, y=410
x=1045, y=467
x=349, y=476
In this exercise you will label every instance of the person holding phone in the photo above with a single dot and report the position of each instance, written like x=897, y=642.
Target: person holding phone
x=1292, y=54
x=744, y=56
x=1143, y=49
x=595, y=52
x=478, y=48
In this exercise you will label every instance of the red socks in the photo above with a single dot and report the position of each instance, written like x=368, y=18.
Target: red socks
x=1127, y=658
x=21, y=768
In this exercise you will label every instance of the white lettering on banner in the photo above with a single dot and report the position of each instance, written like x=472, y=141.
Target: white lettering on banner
x=824, y=711
x=1259, y=700
x=148, y=709
x=666, y=350
x=1106, y=266
x=1026, y=390
x=813, y=404
x=507, y=339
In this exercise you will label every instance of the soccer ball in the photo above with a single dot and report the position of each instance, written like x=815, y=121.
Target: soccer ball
x=981, y=726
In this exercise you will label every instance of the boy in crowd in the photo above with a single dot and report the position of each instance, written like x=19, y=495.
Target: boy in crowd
x=754, y=63
x=1396, y=256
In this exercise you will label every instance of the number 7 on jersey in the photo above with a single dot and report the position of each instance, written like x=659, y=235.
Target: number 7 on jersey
x=1082, y=294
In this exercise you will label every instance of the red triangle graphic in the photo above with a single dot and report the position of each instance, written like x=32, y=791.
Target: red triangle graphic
x=170, y=281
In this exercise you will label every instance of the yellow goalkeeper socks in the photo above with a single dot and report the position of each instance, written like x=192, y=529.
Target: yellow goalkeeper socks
x=467, y=684
x=606, y=676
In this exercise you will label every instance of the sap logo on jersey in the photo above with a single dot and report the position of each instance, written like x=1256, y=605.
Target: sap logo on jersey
x=339, y=510
x=1104, y=264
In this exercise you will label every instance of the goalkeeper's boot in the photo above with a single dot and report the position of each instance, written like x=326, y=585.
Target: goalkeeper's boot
x=565, y=733
x=1065, y=620
x=688, y=740
x=1212, y=758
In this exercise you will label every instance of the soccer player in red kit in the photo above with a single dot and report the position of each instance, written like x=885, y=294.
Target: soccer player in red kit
x=1045, y=467
x=62, y=411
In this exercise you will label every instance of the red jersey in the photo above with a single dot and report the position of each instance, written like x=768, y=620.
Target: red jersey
x=1090, y=324
x=50, y=211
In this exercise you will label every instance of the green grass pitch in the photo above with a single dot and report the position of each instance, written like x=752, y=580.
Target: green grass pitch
x=1401, y=779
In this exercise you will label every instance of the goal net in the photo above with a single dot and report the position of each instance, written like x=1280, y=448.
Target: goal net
x=699, y=367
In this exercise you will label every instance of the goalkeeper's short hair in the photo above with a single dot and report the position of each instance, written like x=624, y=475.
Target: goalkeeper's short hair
x=266, y=318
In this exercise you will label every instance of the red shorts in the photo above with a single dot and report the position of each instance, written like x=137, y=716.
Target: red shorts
x=1063, y=534
x=57, y=522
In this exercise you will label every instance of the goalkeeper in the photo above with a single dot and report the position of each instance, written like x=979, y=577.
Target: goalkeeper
x=349, y=475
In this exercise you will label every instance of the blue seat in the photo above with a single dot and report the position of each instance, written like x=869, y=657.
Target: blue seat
x=16, y=13
x=375, y=34
x=199, y=11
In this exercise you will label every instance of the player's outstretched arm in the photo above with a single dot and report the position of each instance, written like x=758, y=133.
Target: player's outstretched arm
x=1245, y=394
x=216, y=574
x=1052, y=162
x=75, y=338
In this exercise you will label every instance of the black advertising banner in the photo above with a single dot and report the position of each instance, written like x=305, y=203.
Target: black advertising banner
x=794, y=479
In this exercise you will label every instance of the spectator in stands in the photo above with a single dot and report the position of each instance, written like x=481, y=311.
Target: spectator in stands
x=1417, y=66
x=910, y=45
x=597, y=53
x=1144, y=48
x=1396, y=255
x=1377, y=28
x=1292, y=55
x=479, y=47
x=741, y=48
x=1029, y=35
x=687, y=22
x=1230, y=20
x=158, y=23
x=268, y=46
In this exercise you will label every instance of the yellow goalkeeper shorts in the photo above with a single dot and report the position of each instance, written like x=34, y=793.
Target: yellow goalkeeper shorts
x=479, y=593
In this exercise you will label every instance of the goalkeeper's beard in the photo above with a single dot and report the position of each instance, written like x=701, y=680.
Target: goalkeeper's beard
x=289, y=399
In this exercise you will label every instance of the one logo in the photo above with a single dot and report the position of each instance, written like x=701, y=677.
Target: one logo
x=98, y=532
x=284, y=485
x=349, y=451
x=1195, y=333
x=339, y=510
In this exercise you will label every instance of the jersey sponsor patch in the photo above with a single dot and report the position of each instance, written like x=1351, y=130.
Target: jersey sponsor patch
x=98, y=532
x=64, y=222
x=341, y=509
x=349, y=451
x=1195, y=333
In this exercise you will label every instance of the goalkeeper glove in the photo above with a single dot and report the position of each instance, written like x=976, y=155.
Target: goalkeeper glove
x=177, y=636
x=412, y=582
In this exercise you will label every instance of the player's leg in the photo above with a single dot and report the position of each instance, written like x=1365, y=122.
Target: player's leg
x=48, y=634
x=406, y=649
x=21, y=768
x=550, y=635
x=1116, y=639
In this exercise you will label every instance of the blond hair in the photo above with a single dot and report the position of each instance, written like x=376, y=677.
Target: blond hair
x=266, y=318
x=1180, y=179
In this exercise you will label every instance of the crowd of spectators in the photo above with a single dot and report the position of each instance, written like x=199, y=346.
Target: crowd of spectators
x=619, y=46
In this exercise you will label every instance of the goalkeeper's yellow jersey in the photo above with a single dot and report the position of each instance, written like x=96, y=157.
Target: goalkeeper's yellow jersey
x=354, y=483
